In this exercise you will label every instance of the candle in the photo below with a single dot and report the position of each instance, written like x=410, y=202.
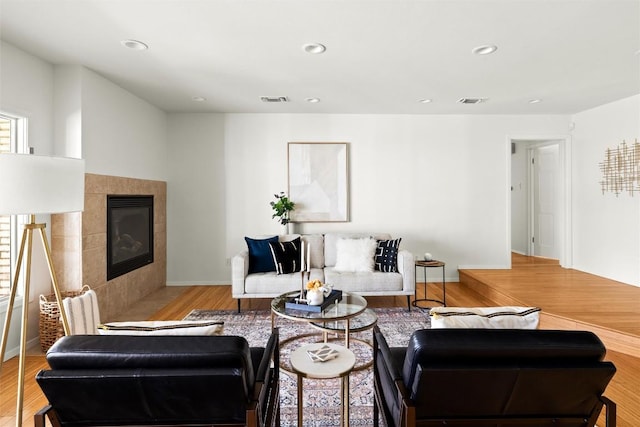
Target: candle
x=302, y=268
x=309, y=258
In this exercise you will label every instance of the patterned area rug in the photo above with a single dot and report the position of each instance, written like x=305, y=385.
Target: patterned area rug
x=321, y=397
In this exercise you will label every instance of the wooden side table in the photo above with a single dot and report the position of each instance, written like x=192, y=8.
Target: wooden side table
x=430, y=264
x=340, y=367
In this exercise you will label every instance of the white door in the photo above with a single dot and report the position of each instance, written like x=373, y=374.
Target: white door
x=545, y=201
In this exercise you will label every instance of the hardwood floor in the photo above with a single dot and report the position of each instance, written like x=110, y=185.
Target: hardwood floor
x=536, y=274
x=571, y=299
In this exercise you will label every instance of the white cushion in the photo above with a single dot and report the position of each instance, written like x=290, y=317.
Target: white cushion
x=269, y=285
x=82, y=313
x=163, y=327
x=485, y=317
x=364, y=283
x=331, y=240
x=355, y=255
x=316, y=247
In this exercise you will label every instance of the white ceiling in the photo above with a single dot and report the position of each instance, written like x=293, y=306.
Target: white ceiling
x=382, y=55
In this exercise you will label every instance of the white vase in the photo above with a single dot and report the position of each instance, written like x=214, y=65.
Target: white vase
x=315, y=297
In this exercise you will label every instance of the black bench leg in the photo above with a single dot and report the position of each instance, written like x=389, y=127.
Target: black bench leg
x=238, y=305
x=409, y=302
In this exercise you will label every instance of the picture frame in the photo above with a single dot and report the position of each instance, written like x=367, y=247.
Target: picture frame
x=318, y=181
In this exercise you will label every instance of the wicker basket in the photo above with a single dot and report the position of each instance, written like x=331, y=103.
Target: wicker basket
x=50, y=324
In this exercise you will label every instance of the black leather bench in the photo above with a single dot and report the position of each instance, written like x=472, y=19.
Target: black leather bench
x=160, y=380
x=492, y=377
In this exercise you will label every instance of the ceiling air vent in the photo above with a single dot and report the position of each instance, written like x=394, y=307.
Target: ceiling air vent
x=274, y=99
x=471, y=100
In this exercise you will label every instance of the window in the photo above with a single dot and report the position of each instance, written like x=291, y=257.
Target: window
x=12, y=140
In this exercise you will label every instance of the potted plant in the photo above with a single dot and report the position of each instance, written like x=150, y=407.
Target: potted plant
x=282, y=206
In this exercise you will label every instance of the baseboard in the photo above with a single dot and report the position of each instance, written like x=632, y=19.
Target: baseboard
x=484, y=267
x=15, y=351
x=431, y=278
x=201, y=283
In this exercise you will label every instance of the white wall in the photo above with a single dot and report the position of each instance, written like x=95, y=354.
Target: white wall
x=606, y=233
x=116, y=132
x=26, y=90
x=122, y=135
x=439, y=182
x=67, y=110
x=196, y=220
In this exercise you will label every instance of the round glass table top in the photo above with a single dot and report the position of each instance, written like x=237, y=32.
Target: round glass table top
x=362, y=322
x=349, y=306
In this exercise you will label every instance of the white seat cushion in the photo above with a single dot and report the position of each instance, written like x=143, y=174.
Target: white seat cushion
x=267, y=285
x=363, y=283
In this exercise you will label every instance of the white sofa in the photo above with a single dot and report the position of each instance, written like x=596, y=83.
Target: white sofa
x=322, y=261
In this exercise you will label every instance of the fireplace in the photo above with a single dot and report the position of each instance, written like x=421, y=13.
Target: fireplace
x=129, y=233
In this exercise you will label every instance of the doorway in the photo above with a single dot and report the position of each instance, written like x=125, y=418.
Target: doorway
x=539, y=195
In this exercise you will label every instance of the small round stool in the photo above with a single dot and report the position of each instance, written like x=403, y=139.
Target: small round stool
x=340, y=367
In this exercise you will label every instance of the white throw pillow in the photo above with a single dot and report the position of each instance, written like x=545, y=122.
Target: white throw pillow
x=163, y=327
x=82, y=313
x=355, y=255
x=485, y=317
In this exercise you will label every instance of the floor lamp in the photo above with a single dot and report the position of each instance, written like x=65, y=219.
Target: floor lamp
x=36, y=185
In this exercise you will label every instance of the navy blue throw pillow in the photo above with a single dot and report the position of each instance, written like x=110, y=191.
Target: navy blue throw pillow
x=386, y=257
x=286, y=256
x=260, y=259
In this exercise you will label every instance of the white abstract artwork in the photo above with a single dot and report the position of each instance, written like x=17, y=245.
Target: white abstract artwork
x=318, y=181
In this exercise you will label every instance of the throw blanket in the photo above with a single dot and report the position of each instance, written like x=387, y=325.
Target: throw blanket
x=163, y=327
x=82, y=313
x=485, y=317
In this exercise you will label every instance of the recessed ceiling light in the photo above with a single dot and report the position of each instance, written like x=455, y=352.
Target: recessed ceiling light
x=484, y=49
x=425, y=101
x=198, y=98
x=315, y=48
x=534, y=101
x=313, y=100
x=134, y=44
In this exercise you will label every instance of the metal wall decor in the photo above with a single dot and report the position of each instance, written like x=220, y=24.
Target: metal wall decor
x=621, y=169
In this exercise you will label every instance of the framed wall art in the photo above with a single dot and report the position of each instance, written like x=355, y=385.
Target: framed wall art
x=318, y=181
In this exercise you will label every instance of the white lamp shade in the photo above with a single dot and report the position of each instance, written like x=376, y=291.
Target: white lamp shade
x=40, y=184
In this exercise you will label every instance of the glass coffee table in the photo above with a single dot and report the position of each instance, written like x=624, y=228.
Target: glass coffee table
x=346, y=316
x=362, y=322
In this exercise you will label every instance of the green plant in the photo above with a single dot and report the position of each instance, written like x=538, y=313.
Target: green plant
x=281, y=208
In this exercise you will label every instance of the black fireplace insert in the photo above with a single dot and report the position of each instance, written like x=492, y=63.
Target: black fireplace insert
x=129, y=233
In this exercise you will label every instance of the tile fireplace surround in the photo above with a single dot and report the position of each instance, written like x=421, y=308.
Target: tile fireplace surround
x=79, y=245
